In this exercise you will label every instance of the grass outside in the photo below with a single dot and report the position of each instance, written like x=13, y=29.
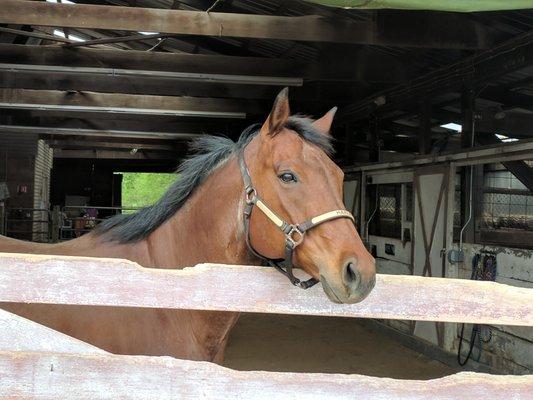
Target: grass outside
x=144, y=189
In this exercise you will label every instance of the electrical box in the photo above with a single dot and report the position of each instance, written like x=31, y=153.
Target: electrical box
x=456, y=256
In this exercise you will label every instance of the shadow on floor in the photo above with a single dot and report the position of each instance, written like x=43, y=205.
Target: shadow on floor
x=331, y=345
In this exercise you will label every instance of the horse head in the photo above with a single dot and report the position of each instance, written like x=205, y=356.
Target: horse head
x=294, y=193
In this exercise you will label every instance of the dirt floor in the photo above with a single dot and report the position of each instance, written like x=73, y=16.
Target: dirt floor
x=332, y=345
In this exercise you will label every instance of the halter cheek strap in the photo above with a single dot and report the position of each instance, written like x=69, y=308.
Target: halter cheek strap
x=294, y=234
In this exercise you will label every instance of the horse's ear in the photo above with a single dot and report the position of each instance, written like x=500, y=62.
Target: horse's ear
x=324, y=124
x=279, y=115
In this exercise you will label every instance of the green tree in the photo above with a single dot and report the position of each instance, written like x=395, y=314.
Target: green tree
x=144, y=189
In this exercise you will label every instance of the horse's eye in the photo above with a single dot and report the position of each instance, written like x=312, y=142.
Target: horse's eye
x=288, y=177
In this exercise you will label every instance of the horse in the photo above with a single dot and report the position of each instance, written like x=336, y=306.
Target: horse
x=229, y=205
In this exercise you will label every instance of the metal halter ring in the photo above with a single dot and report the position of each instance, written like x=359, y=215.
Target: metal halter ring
x=251, y=195
x=295, y=241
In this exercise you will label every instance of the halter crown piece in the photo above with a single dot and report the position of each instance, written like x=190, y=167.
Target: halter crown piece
x=294, y=234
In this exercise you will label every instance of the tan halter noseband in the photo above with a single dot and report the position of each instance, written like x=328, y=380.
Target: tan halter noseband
x=294, y=234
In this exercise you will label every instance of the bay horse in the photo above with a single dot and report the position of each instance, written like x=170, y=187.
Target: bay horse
x=209, y=215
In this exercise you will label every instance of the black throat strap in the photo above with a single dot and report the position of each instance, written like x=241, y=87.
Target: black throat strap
x=294, y=234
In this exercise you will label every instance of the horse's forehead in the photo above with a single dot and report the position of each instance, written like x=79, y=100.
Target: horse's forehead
x=290, y=144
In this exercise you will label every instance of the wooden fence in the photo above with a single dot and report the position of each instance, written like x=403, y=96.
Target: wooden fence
x=37, y=362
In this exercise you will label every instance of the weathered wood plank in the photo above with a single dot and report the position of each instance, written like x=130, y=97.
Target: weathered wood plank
x=304, y=28
x=91, y=281
x=149, y=60
x=41, y=375
x=20, y=334
x=104, y=101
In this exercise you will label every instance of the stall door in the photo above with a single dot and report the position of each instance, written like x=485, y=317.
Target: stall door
x=432, y=234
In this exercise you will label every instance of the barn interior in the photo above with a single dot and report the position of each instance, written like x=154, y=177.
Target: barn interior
x=433, y=131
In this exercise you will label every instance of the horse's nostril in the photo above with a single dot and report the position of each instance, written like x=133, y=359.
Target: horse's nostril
x=351, y=275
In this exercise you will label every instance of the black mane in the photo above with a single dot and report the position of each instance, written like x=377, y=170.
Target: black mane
x=210, y=153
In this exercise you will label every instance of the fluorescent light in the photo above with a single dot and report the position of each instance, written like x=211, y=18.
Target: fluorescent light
x=149, y=33
x=505, y=139
x=452, y=126
x=62, y=1
x=60, y=33
x=401, y=135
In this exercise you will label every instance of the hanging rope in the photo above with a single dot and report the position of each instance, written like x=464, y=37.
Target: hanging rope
x=484, y=268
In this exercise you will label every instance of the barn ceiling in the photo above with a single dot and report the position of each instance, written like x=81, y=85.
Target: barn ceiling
x=96, y=71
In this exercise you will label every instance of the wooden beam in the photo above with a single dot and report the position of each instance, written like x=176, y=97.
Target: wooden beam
x=96, y=154
x=53, y=375
x=123, y=283
x=37, y=35
x=522, y=171
x=480, y=155
x=171, y=75
x=103, y=133
x=362, y=65
x=128, y=123
x=305, y=28
x=154, y=61
x=478, y=69
x=142, y=85
x=125, y=103
x=70, y=144
x=519, y=168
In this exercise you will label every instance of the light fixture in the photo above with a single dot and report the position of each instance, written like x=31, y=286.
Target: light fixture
x=452, y=126
x=60, y=33
x=505, y=139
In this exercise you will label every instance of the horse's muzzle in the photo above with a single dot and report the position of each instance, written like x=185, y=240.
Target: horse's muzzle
x=353, y=285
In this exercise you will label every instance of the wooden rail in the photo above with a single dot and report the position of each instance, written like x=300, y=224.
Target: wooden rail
x=111, y=282
x=37, y=362
x=49, y=375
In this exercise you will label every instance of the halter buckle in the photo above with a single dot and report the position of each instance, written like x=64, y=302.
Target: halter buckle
x=250, y=195
x=295, y=236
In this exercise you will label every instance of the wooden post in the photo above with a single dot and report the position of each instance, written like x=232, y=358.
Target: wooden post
x=467, y=132
x=2, y=218
x=56, y=222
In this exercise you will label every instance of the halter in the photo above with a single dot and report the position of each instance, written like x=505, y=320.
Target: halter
x=294, y=234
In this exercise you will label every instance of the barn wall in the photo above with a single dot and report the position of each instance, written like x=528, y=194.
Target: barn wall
x=511, y=347
x=17, y=163
x=41, y=200
x=25, y=164
x=17, y=153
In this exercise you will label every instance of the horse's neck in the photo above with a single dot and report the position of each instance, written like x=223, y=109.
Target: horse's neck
x=208, y=228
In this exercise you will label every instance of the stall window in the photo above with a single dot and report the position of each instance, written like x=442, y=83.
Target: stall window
x=507, y=203
x=384, y=210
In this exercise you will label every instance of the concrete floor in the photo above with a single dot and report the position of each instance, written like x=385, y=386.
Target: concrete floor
x=331, y=345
